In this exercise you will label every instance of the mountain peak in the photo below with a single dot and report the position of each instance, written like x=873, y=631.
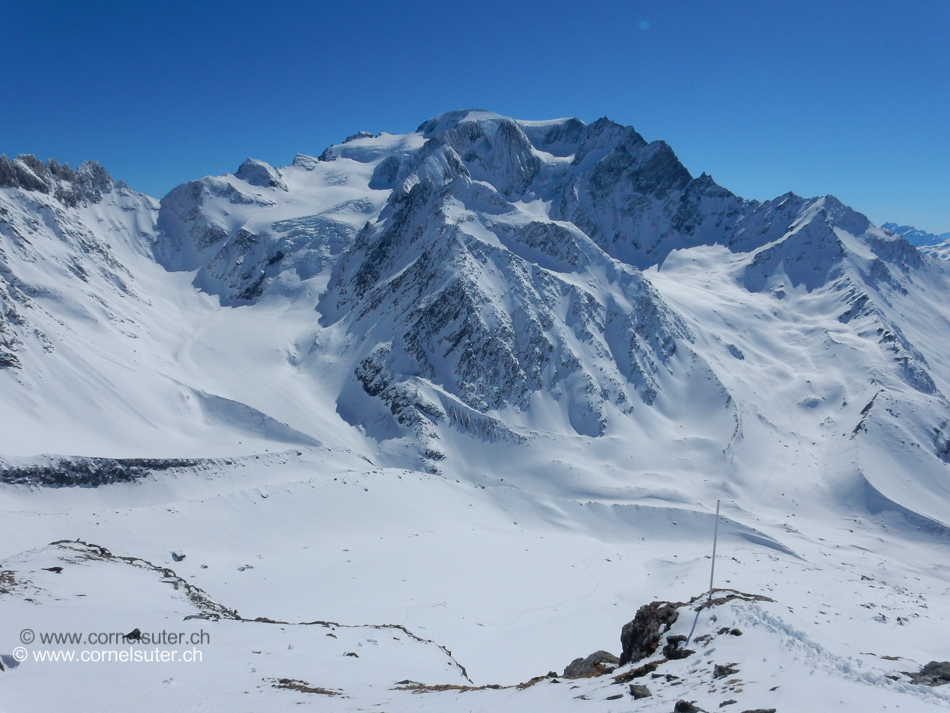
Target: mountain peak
x=258, y=173
x=452, y=119
x=87, y=183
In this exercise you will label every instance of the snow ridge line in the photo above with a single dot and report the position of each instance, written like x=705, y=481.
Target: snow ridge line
x=212, y=609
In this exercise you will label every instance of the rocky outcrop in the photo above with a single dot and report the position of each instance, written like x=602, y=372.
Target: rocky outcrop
x=85, y=184
x=597, y=664
x=87, y=472
x=641, y=637
x=935, y=673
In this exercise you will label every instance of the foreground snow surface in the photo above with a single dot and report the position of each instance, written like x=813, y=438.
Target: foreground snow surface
x=401, y=567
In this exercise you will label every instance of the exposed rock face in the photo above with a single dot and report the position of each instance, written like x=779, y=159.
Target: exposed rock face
x=935, y=673
x=466, y=307
x=52, y=242
x=597, y=664
x=641, y=637
x=87, y=472
x=70, y=187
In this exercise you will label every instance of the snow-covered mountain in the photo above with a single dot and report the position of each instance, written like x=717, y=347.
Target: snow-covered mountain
x=482, y=323
x=915, y=236
x=928, y=243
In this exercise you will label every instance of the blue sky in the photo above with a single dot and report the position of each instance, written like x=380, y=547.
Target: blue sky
x=849, y=98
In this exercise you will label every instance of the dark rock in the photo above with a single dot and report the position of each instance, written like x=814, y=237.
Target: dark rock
x=59, y=472
x=597, y=664
x=71, y=187
x=936, y=673
x=687, y=707
x=9, y=360
x=638, y=672
x=57, y=570
x=350, y=653
x=727, y=630
x=672, y=649
x=134, y=635
x=178, y=556
x=639, y=691
x=730, y=702
x=615, y=697
x=723, y=671
x=8, y=661
x=641, y=637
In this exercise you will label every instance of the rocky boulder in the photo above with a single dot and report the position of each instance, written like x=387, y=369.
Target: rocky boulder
x=597, y=664
x=641, y=637
x=936, y=673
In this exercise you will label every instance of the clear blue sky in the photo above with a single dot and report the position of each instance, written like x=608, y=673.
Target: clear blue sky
x=849, y=98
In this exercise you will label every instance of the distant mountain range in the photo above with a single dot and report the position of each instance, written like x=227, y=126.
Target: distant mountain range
x=916, y=237
x=480, y=276
x=936, y=245
x=548, y=318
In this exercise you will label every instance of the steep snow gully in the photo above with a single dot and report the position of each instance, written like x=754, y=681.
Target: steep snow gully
x=439, y=412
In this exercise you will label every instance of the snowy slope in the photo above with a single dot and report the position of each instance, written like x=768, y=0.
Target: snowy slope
x=484, y=381
x=109, y=354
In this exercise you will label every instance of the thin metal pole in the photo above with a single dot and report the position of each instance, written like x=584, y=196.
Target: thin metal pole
x=712, y=570
x=712, y=573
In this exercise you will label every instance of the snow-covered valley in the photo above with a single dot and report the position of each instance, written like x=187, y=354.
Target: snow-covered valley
x=474, y=389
